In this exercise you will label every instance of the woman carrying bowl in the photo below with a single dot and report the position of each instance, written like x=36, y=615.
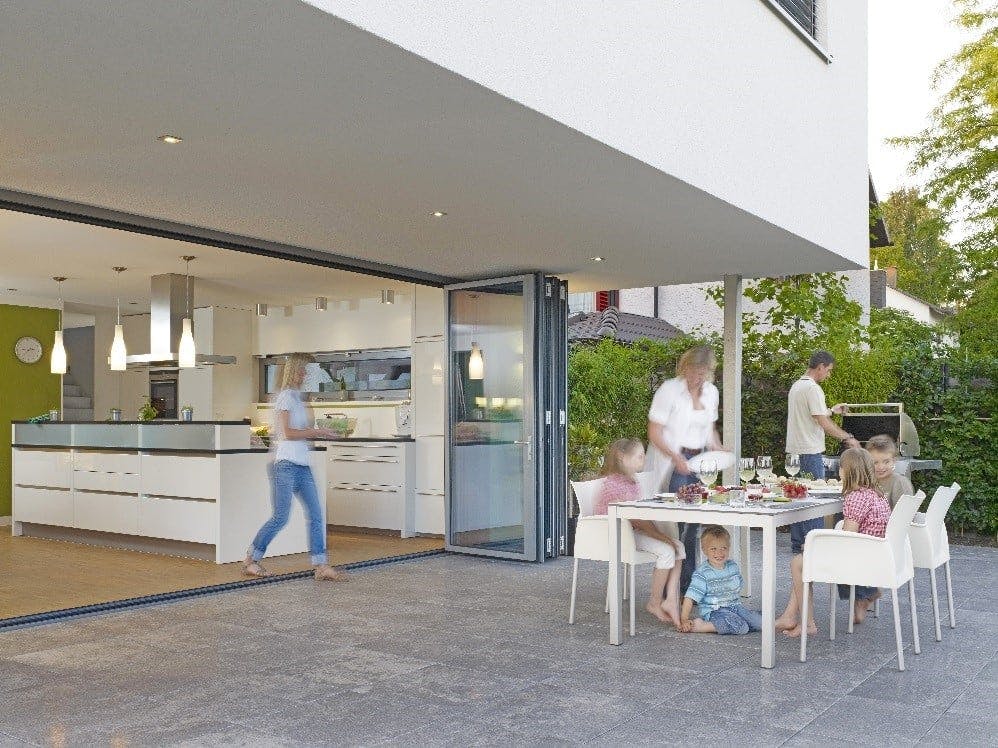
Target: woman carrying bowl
x=681, y=424
x=290, y=474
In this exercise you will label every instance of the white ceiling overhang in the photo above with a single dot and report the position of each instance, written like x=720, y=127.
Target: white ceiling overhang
x=304, y=131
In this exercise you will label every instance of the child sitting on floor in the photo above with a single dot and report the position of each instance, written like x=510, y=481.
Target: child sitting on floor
x=716, y=588
x=621, y=463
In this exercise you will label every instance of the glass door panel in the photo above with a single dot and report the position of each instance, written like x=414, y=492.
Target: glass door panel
x=492, y=473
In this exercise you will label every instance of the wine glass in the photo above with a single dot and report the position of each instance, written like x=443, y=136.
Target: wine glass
x=793, y=465
x=746, y=468
x=764, y=466
x=707, y=472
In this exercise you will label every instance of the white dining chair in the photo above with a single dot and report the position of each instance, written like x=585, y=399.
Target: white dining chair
x=930, y=548
x=841, y=557
x=592, y=543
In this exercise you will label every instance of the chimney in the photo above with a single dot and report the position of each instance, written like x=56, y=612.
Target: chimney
x=892, y=276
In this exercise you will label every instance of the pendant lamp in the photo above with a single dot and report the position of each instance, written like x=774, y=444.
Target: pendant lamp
x=58, y=365
x=476, y=363
x=118, y=351
x=185, y=351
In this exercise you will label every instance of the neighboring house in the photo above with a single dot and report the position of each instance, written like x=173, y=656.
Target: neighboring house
x=884, y=294
x=621, y=326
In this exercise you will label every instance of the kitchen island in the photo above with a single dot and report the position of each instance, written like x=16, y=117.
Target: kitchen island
x=191, y=488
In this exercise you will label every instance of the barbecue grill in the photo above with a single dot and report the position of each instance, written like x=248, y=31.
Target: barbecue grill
x=866, y=420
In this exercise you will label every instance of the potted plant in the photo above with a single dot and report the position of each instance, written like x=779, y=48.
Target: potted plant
x=148, y=411
x=187, y=413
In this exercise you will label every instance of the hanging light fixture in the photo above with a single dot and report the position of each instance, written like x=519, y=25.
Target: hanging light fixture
x=476, y=362
x=262, y=310
x=185, y=350
x=118, y=351
x=321, y=303
x=388, y=296
x=58, y=349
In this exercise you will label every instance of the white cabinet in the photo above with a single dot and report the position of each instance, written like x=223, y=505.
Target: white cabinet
x=106, y=512
x=380, y=507
x=42, y=467
x=429, y=313
x=430, y=482
x=429, y=377
x=180, y=475
x=44, y=506
x=371, y=484
x=178, y=519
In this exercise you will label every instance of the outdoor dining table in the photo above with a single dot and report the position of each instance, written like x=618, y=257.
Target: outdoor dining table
x=767, y=516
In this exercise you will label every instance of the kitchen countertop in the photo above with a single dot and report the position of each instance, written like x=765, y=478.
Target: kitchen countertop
x=348, y=439
x=157, y=422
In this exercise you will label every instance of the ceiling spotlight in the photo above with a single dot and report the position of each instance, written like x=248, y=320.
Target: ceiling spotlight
x=170, y=139
x=388, y=296
x=11, y=289
x=320, y=303
x=597, y=258
x=438, y=214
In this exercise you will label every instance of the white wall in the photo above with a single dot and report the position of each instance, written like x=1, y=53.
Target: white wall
x=721, y=95
x=915, y=307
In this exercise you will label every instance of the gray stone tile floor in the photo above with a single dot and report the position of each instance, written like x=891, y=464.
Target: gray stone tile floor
x=457, y=650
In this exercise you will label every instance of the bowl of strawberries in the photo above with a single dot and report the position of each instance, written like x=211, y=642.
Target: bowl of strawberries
x=793, y=489
x=692, y=493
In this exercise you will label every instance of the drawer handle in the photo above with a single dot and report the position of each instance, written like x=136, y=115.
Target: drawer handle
x=373, y=446
x=365, y=487
x=365, y=459
x=430, y=493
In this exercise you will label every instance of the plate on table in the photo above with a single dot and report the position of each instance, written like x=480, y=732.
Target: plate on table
x=723, y=460
x=665, y=497
x=825, y=491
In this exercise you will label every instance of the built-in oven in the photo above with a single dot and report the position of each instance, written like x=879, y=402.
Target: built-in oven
x=163, y=392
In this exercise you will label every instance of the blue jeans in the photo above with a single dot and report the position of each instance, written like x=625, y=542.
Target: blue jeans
x=288, y=478
x=736, y=619
x=814, y=465
x=862, y=593
x=687, y=531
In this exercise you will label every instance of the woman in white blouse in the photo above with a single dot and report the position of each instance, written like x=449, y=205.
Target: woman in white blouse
x=681, y=424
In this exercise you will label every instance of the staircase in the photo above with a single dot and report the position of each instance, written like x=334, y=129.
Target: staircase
x=77, y=405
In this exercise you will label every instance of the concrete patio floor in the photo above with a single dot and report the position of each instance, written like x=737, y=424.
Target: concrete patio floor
x=455, y=650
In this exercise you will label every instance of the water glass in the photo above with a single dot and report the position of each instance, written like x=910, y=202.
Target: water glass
x=736, y=497
x=707, y=472
x=746, y=469
x=764, y=466
x=793, y=465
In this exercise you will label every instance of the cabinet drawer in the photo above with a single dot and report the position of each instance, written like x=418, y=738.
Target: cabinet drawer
x=42, y=467
x=180, y=475
x=430, y=513
x=178, y=519
x=430, y=464
x=375, y=467
x=109, y=482
x=106, y=512
x=106, y=462
x=44, y=506
x=365, y=506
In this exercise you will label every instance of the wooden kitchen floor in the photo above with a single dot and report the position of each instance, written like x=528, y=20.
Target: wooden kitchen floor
x=39, y=575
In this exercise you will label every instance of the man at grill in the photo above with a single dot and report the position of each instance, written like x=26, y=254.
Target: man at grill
x=808, y=420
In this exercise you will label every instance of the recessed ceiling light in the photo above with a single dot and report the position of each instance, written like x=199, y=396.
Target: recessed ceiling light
x=171, y=139
x=11, y=289
x=134, y=303
x=597, y=258
x=438, y=214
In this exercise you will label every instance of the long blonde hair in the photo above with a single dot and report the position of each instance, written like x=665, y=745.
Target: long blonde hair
x=294, y=370
x=856, y=470
x=694, y=358
x=615, y=453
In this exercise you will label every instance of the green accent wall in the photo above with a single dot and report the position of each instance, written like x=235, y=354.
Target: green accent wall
x=26, y=390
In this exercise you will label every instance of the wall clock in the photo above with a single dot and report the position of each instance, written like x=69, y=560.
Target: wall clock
x=28, y=349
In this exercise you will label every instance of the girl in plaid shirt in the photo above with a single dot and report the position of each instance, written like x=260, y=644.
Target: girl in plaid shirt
x=866, y=511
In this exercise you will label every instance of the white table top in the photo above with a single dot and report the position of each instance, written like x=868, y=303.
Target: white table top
x=767, y=507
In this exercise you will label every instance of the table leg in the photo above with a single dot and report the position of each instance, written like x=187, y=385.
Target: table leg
x=745, y=559
x=768, y=594
x=614, y=580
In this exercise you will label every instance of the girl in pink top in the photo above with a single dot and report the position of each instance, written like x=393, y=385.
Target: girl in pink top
x=866, y=511
x=621, y=462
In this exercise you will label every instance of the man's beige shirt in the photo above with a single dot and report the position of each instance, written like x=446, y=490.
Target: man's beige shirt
x=806, y=400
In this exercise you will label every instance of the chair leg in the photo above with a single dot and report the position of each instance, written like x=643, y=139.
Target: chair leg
x=625, y=586
x=949, y=595
x=914, y=616
x=935, y=604
x=575, y=581
x=876, y=608
x=633, y=596
x=804, y=621
x=607, y=595
x=832, y=596
x=897, y=628
x=852, y=606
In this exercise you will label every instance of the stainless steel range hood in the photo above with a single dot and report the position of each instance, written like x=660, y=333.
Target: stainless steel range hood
x=167, y=312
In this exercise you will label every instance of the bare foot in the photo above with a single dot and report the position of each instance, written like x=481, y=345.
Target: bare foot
x=795, y=631
x=671, y=610
x=329, y=574
x=859, y=614
x=785, y=623
x=253, y=569
x=656, y=610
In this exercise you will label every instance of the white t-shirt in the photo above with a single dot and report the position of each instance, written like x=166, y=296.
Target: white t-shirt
x=682, y=425
x=805, y=400
x=292, y=450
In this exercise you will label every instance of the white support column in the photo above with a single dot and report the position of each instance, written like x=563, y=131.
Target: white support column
x=732, y=394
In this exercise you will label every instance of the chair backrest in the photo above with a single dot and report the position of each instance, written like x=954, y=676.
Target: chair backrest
x=586, y=493
x=940, y=504
x=897, y=526
x=646, y=482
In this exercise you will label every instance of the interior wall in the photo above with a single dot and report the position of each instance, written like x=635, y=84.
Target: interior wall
x=79, y=342
x=28, y=389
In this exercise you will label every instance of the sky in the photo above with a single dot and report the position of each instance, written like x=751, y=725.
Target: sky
x=907, y=39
